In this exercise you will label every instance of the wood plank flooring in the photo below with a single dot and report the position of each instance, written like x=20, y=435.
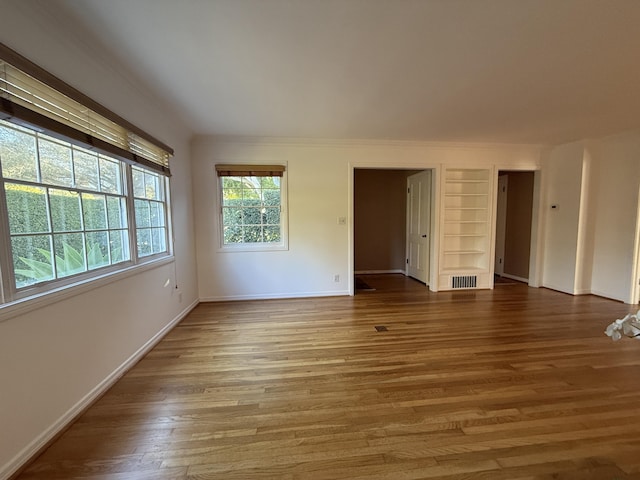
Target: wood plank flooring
x=510, y=384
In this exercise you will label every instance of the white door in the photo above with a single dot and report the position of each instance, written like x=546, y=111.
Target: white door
x=501, y=223
x=418, y=225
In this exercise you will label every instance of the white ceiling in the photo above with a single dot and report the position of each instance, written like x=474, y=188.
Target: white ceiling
x=514, y=71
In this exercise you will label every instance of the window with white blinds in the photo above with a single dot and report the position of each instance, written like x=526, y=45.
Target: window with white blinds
x=32, y=96
x=83, y=193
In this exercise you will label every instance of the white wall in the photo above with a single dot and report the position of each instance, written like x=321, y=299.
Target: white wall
x=615, y=182
x=562, y=187
x=320, y=191
x=591, y=238
x=53, y=360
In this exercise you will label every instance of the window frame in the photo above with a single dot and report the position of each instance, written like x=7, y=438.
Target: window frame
x=283, y=244
x=11, y=293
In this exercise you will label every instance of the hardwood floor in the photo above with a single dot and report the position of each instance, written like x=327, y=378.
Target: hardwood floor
x=509, y=384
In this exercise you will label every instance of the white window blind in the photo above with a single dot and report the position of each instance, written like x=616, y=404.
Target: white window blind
x=31, y=95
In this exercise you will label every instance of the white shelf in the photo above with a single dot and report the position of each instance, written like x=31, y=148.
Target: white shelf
x=463, y=252
x=464, y=268
x=465, y=208
x=458, y=222
x=465, y=194
x=458, y=180
x=466, y=223
x=465, y=234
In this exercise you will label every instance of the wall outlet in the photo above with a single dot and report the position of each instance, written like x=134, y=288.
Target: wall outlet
x=336, y=278
x=179, y=296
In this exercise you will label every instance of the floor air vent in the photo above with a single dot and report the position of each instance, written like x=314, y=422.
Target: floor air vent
x=464, y=281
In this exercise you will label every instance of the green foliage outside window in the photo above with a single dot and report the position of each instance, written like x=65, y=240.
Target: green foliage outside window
x=251, y=210
x=47, y=247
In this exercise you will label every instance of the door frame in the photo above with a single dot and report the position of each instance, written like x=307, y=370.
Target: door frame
x=536, y=250
x=395, y=164
x=501, y=224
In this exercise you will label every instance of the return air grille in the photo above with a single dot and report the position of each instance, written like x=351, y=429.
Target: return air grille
x=464, y=281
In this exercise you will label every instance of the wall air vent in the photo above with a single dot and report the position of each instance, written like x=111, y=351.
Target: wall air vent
x=464, y=281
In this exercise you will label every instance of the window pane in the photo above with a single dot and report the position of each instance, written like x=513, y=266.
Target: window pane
x=233, y=234
x=251, y=216
x=271, y=216
x=65, y=210
x=69, y=250
x=138, y=183
x=251, y=195
x=144, y=242
x=85, y=166
x=231, y=182
x=95, y=211
x=232, y=216
x=143, y=216
x=55, y=163
x=27, y=208
x=157, y=214
x=271, y=197
x=252, y=234
x=18, y=154
x=152, y=187
x=252, y=202
x=97, y=249
x=110, y=179
x=32, y=260
x=119, y=246
x=232, y=197
x=116, y=212
x=270, y=182
x=158, y=240
x=272, y=234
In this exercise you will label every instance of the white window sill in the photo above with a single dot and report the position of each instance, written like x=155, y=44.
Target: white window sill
x=253, y=247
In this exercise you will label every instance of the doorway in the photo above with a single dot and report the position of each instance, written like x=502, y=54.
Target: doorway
x=514, y=215
x=380, y=221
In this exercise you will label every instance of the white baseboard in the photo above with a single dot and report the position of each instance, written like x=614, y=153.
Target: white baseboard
x=514, y=277
x=374, y=272
x=586, y=292
x=600, y=293
x=583, y=291
x=27, y=453
x=274, y=296
x=556, y=288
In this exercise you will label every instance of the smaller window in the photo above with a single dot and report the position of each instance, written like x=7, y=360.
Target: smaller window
x=252, y=200
x=150, y=213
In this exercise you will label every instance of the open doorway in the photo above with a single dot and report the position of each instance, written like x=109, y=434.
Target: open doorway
x=379, y=223
x=513, y=226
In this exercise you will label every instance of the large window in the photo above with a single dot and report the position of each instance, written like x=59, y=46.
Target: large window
x=82, y=191
x=68, y=208
x=252, y=201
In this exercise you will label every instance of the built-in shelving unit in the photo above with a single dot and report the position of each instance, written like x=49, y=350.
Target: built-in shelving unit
x=465, y=229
